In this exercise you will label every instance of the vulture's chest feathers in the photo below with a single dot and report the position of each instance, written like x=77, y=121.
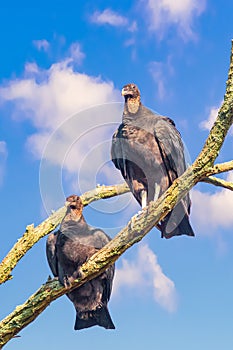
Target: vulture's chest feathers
x=138, y=141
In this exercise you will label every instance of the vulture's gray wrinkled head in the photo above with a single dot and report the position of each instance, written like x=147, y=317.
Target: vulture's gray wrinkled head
x=74, y=205
x=130, y=91
x=131, y=94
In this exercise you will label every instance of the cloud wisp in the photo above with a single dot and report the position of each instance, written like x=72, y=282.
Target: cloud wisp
x=109, y=17
x=145, y=274
x=160, y=71
x=164, y=14
x=210, y=211
x=41, y=45
x=209, y=122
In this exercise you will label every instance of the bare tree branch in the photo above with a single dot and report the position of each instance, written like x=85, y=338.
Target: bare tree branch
x=221, y=168
x=218, y=182
x=137, y=227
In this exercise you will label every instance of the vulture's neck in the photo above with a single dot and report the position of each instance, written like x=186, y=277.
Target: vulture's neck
x=73, y=226
x=132, y=105
x=75, y=215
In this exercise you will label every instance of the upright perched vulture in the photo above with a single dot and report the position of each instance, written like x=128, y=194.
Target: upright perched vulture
x=148, y=150
x=67, y=249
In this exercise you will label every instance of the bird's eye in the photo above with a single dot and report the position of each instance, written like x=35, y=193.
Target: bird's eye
x=133, y=86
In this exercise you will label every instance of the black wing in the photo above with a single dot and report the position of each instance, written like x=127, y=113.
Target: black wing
x=100, y=240
x=128, y=152
x=108, y=279
x=171, y=147
x=51, y=252
x=117, y=151
x=172, y=151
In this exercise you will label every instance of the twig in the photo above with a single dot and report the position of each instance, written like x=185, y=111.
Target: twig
x=221, y=168
x=218, y=182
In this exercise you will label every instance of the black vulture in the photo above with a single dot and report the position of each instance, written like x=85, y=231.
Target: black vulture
x=67, y=249
x=148, y=150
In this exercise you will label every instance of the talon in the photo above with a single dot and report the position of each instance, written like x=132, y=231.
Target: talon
x=68, y=281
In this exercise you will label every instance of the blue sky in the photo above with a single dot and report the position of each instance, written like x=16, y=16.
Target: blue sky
x=63, y=65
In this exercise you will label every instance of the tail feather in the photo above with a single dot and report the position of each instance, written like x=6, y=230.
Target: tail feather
x=176, y=223
x=99, y=317
x=81, y=323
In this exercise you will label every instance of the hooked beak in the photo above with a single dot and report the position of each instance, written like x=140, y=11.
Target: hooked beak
x=67, y=204
x=126, y=92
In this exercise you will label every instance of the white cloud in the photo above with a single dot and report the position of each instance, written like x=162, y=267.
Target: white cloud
x=41, y=44
x=159, y=72
x=3, y=157
x=163, y=14
x=133, y=27
x=73, y=119
x=56, y=94
x=109, y=17
x=31, y=67
x=208, y=123
x=212, y=211
x=145, y=274
x=76, y=54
